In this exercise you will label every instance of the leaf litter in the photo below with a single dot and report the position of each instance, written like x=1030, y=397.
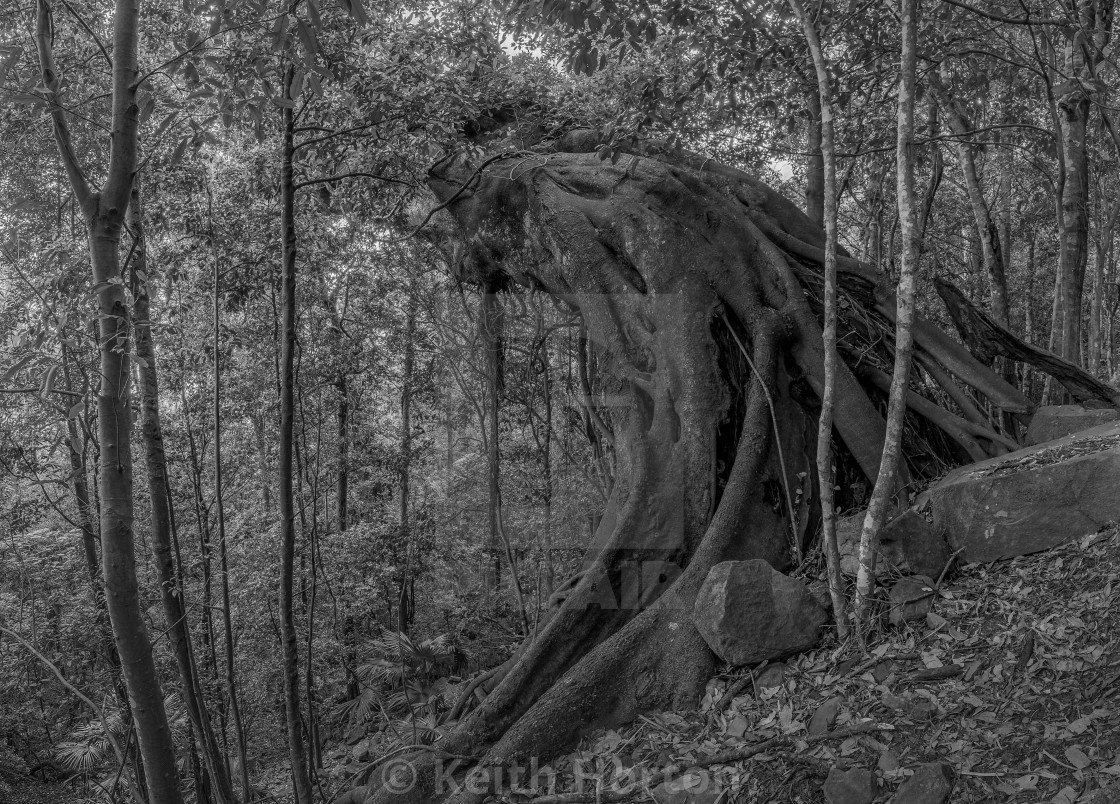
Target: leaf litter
x=1013, y=680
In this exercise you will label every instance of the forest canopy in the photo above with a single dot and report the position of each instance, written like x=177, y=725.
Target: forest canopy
x=393, y=375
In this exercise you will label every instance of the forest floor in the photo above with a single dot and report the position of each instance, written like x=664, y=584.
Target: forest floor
x=1013, y=679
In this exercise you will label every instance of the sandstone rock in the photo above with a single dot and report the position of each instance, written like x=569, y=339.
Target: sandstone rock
x=911, y=599
x=930, y=784
x=855, y=786
x=912, y=546
x=771, y=676
x=1032, y=499
x=1055, y=421
x=908, y=545
x=748, y=612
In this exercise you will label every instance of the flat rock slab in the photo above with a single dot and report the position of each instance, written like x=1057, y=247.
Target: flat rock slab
x=1030, y=500
x=748, y=612
x=1052, y=422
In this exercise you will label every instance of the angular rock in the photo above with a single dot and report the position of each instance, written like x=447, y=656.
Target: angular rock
x=911, y=599
x=771, y=676
x=355, y=735
x=855, y=786
x=748, y=612
x=824, y=718
x=908, y=545
x=930, y=784
x=1056, y=421
x=1032, y=499
x=888, y=762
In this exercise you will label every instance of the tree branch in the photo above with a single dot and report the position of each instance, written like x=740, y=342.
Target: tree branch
x=94, y=36
x=78, y=181
x=1026, y=20
x=36, y=390
x=354, y=175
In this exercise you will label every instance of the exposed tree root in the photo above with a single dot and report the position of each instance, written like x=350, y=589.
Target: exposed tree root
x=989, y=340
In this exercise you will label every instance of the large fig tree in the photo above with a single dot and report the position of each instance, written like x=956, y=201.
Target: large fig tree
x=699, y=287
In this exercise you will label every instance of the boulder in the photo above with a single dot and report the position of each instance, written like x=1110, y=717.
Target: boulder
x=1032, y=499
x=855, y=786
x=908, y=545
x=930, y=784
x=748, y=612
x=1055, y=421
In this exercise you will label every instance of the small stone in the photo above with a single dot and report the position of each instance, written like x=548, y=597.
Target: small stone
x=930, y=784
x=882, y=671
x=888, y=762
x=855, y=786
x=896, y=703
x=771, y=676
x=355, y=735
x=737, y=727
x=691, y=787
x=363, y=751
x=825, y=717
x=911, y=599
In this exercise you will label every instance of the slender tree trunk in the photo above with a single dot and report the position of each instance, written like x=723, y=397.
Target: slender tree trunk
x=262, y=460
x=1029, y=334
x=342, y=494
x=825, y=470
x=546, y=461
x=159, y=493
x=104, y=213
x=404, y=608
x=220, y=513
x=986, y=228
x=297, y=747
x=1073, y=232
x=490, y=320
x=896, y=406
x=814, y=162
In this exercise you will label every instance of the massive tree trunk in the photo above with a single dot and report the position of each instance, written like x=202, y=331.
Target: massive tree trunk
x=672, y=261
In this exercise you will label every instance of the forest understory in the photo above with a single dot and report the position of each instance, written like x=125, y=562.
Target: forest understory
x=383, y=385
